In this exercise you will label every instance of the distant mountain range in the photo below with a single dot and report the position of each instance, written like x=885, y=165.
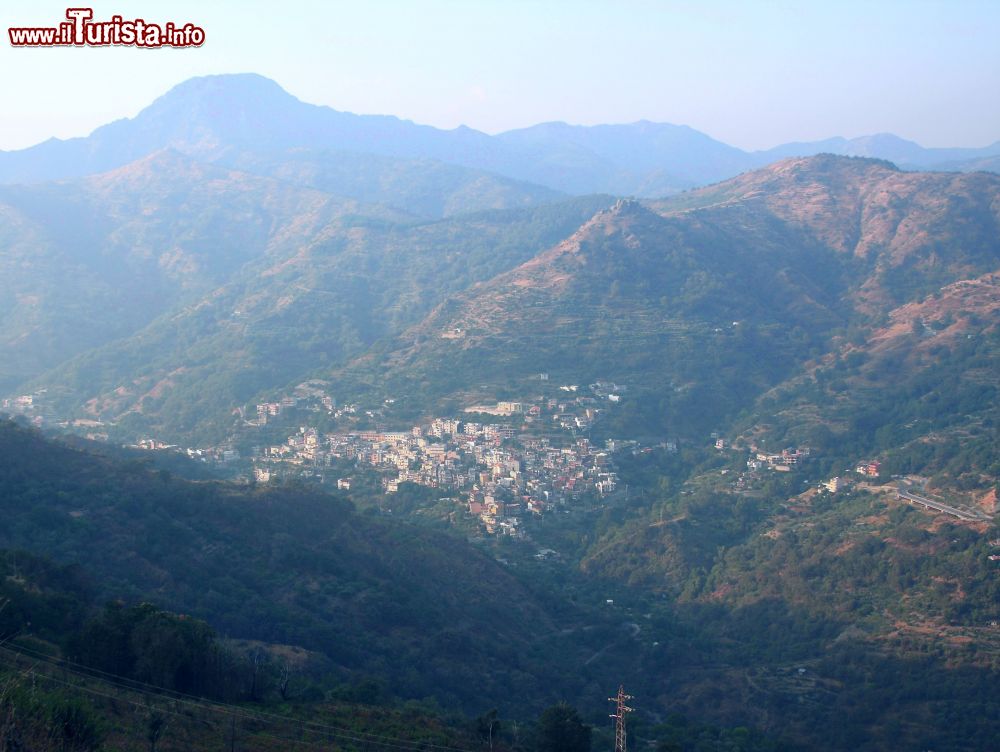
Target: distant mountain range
x=239, y=241
x=164, y=276
x=223, y=118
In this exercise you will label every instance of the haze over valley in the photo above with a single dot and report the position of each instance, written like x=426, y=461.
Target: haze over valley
x=362, y=432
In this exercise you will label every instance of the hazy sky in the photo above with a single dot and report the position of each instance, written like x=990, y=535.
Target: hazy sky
x=751, y=73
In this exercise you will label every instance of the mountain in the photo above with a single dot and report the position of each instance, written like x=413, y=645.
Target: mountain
x=214, y=115
x=249, y=122
x=654, y=302
x=913, y=231
x=725, y=291
x=89, y=261
x=902, y=152
x=223, y=117
x=975, y=164
x=245, y=119
x=285, y=315
x=828, y=302
x=643, y=158
x=427, y=188
x=226, y=118
x=704, y=300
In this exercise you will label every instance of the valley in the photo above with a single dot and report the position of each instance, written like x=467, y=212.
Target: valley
x=437, y=429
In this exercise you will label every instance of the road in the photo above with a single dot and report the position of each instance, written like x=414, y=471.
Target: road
x=962, y=514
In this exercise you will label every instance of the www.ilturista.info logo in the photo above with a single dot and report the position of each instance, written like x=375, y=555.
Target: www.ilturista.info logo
x=80, y=30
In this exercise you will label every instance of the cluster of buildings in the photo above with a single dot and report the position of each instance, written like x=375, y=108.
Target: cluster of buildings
x=781, y=462
x=21, y=402
x=788, y=459
x=865, y=468
x=498, y=471
x=31, y=406
x=222, y=454
x=310, y=396
x=760, y=461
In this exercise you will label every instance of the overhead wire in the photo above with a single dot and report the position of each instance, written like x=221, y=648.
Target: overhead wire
x=134, y=685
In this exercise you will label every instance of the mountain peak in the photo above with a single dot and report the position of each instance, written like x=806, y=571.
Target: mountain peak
x=885, y=145
x=240, y=90
x=822, y=167
x=218, y=117
x=220, y=101
x=626, y=206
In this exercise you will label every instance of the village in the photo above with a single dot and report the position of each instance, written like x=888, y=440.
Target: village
x=502, y=462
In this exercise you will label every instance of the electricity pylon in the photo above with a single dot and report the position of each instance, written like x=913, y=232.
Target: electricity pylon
x=619, y=715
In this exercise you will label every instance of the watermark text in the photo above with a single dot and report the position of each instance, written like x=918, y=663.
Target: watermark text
x=81, y=30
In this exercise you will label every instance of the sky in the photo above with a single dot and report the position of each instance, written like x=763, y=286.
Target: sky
x=753, y=74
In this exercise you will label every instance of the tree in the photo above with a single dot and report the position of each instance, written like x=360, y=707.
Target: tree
x=561, y=730
x=156, y=724
x=487, y=726
x=284, y=678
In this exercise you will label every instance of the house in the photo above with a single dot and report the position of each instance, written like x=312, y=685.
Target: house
x=869, y=468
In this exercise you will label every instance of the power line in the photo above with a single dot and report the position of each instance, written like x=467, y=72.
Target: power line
x=333, y=734
x=138, y=704
x=133, y=685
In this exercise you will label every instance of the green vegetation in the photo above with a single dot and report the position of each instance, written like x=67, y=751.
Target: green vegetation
x=655, y=303
x=815, y=607
x=835, y=304
x=289, y=315
x=425, y=188
x=97, y=667
x=561, y=730
x=286, y=565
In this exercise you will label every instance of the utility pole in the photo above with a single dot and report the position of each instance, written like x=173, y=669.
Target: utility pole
x=619, y=715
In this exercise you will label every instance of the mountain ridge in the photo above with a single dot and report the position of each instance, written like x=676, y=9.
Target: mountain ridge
x=90, y=260
x=213, y=117
x=794, y=251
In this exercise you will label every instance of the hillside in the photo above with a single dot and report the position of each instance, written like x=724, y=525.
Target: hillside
x=429, y=189
x=285, y=316
x=75, y=674
x=131, y=677
x=94, y=260
x=918, y=392
x=287, y=566
x=634, y=297
x=703, y=302
x=848, y=620
x=710, y=619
